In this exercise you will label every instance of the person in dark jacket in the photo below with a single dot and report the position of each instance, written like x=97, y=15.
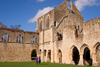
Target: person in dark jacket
x=39, y=60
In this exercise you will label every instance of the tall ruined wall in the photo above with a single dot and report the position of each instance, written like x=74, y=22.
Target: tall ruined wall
x=14, y=50
x=43, y=18
x=92, y=31
x=60, y=11
x=13, y=34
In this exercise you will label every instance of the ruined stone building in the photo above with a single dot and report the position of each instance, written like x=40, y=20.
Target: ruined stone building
x=61, y=36
x=17, y=45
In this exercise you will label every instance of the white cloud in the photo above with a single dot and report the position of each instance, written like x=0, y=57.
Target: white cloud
x=40, y=13
x=40, y=0
x=80, y=4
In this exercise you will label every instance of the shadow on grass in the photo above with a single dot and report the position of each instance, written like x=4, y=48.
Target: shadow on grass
x=44, y=64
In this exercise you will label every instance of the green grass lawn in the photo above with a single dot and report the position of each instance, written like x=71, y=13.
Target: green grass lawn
x=32, y=64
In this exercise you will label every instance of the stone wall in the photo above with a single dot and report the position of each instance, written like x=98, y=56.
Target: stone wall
x=12, y=50
x=77, y=37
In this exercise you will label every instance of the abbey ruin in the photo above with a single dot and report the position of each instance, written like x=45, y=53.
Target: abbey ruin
x=61, y=36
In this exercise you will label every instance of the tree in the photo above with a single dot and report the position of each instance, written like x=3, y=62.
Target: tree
x=2, y=25
x=15, y=27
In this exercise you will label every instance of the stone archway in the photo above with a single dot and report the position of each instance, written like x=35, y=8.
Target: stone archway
x=45, y=57
x=86, y=57
x=33, y=55
x=59, y=56
x=98, y=53
x=75, y=55
x=49, y=56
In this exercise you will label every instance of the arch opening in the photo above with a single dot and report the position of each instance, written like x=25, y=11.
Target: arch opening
x=75, y=55
x=60, y=56
x=33, y=55
x=49, y=56
x=86, y=57
x=98, y=53
x=44, y=52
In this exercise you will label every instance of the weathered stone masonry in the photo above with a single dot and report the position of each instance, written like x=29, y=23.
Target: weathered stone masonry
x=68, y=39
x=61, y=36
x=16, y=45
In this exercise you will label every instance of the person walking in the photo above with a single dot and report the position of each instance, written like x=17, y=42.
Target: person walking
x=39, y=60
x=36, y=59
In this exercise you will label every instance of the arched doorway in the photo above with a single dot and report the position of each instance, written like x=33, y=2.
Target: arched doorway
x=33, y=55
x=75, y=55
x=49, y=55
x=98, y=54
x=60, y=56
x=45, y=55
x=86, y=57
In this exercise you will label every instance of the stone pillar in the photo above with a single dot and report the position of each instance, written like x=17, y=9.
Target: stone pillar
x=52, y=45
x=42, y=58
x=18, y=38
x=81, y=60
x=94, y=60
x=46, y=56
x=52, y=53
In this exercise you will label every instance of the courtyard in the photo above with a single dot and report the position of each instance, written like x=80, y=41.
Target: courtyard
x=32, y=64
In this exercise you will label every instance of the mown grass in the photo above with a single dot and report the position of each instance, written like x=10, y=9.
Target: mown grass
x=33, y=64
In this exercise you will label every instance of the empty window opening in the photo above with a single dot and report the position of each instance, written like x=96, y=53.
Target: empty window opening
x=33, y=39
x=59, y=37
x=5, y=37
x=19, y=38
x=55, y=23
x=76, y=33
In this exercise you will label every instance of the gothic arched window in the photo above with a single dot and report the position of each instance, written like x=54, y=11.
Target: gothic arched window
x=5, y=37
x=19, y=38
x=55, y=23
x=47, y=23
x=33, y=39
x=40, y=26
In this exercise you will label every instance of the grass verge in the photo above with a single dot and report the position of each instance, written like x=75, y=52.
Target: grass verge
x=33, y=64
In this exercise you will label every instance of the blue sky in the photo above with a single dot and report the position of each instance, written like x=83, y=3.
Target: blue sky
x=25, y=12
